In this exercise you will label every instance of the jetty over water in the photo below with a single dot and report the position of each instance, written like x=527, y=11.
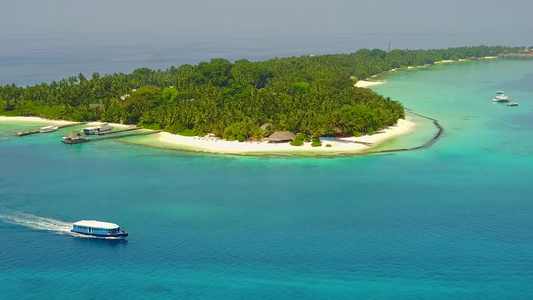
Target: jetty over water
x=23, y=133
x=77, y=137
x=436, y=137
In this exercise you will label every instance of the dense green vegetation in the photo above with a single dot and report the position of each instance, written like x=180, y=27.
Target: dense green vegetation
x=316, y=142
x=300, y=139
x=311, y=95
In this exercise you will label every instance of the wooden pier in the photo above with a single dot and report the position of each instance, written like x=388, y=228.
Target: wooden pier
x=110, y=136
x=23, y=133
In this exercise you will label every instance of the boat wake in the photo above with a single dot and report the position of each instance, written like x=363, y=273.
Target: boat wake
x=35, y=222
x=41, y=223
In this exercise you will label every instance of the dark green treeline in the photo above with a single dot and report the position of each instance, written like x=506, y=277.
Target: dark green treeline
x=312, y=94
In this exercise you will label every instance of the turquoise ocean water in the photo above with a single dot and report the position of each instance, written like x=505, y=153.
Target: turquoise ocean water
x=450, y=222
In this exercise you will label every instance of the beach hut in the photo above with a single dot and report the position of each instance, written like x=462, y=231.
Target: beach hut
x=265, y=126
x=281, y=137
x=75, y=135
x=338, y=131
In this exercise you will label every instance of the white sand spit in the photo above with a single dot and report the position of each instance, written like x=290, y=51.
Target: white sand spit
x=366, y=84
x=444, y=61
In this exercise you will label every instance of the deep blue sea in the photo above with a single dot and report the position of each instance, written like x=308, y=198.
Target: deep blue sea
x=454, y=221
x=28, y=59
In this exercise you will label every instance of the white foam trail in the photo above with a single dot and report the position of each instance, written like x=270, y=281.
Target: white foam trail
x=35, y=222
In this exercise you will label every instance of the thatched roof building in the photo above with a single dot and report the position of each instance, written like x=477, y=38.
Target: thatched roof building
x=265, y=126
x=74, y=135
x=338, y=131
x=281, y=137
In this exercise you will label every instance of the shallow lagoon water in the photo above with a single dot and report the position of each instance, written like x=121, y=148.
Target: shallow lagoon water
x=452, y=221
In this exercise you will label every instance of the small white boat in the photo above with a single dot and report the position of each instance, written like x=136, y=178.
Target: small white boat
x=500, y=97
x=98, y=229
x=512, y=104
x=48, y=128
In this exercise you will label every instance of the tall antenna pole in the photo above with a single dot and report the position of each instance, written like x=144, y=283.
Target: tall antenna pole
x=389, y=46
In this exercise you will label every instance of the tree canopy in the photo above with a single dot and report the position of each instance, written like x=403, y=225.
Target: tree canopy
x=313, y=95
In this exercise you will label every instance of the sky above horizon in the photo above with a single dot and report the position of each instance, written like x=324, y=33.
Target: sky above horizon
x=42, y=41
x=498, y=20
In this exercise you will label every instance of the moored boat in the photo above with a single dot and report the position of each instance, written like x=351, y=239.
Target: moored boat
x=512, y=104
x=98, y=229
x=48, y=128
x=98, y=130
x=501, y=97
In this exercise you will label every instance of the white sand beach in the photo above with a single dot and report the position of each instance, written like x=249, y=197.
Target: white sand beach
x=444, y=61
x=34, y=120
x=54, y=122
x=366, y=83
x=349, y=145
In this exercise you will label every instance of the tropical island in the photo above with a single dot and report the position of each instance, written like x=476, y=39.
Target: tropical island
x=298, y=98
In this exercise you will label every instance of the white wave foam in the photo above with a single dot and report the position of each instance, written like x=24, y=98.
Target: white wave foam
x=79, y=235
x=35, y=222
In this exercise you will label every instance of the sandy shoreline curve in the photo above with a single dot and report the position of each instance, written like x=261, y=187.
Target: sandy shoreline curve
x=338, y=146
x=347, y=145
x=55, y=122
x=34, y=120
x=367, y=83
